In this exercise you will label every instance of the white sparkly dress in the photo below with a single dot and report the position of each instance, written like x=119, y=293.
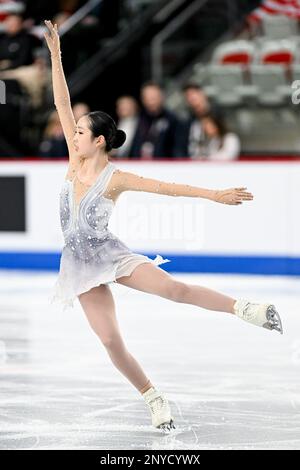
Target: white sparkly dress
x=92, y=255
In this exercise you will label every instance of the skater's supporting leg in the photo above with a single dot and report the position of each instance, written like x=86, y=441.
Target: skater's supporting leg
x=147, y=387
x=154, y=280
x=99, y=307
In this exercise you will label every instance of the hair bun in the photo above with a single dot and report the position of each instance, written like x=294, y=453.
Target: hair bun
x=119, y=139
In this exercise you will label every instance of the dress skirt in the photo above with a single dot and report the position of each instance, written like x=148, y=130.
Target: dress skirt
x=113, y=259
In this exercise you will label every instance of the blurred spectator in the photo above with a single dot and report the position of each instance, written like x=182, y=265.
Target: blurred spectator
x=7, y=7
x=158, y=128
x=34, y=78
x=196, y=99
x=198, y=105
x=127, y=110
x=218, y=143
x=53, y=143
x=79, y=109
x=16, y=44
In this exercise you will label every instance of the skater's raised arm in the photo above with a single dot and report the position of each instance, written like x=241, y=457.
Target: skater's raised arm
x=132, y=182
x=60, y=89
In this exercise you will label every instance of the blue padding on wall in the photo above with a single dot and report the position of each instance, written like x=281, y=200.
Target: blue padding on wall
x=280, y=265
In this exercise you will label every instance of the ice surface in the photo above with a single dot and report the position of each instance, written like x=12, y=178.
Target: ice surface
x=231, y=385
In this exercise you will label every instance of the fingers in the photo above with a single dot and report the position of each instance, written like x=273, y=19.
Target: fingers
x=239, y=191
x=246, y=196
x=236, y=203
x=53, y=29
x=235, y=196
x=244, y=192
x=50, y=30
x=49, y=24
x=238, y=198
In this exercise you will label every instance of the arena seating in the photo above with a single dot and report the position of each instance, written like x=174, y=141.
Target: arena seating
x=279, y=26
x=258, y=70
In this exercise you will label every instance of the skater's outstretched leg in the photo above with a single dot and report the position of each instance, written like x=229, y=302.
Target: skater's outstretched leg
x=152, y=279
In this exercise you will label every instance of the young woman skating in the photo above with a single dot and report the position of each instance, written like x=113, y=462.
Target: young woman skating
x=93, y=256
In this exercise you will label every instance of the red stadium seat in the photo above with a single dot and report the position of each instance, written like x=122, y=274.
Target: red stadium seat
x=239, y=52
x=282, y=52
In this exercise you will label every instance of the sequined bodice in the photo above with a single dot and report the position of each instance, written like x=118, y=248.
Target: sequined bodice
x=85, y=225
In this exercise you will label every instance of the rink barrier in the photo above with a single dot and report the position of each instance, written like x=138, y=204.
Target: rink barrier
x=261, y=237
x=265, y=265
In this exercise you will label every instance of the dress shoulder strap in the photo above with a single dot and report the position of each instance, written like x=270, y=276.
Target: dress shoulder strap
x=103, y=183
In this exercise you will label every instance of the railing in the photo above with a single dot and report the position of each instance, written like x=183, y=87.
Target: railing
x=118, y=46
x=78, y=16
x=171, y=28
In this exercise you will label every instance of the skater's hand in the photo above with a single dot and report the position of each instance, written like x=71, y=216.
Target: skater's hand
x=232, y=196
x=52, y=38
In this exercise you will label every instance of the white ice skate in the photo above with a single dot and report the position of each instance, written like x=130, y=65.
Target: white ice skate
x=264, y=315
x=160, y=409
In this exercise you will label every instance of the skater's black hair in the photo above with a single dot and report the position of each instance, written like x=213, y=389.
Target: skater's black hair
x=102, y=123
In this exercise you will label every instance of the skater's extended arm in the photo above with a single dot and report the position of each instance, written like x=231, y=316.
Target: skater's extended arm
x=60, y=89
x=132, y=182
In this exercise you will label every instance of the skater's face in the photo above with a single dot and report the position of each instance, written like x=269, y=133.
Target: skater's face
x=84, y=141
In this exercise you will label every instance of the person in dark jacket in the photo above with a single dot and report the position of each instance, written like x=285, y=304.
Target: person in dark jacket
x=158, y=128
x=16, y=44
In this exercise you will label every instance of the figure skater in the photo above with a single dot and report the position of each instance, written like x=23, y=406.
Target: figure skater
x=93, y=257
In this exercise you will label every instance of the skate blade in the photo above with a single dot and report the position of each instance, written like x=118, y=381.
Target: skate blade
x=274, y=320
x=167, y=427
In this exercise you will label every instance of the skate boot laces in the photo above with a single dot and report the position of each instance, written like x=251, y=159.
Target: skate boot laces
x=157, y=404
x=160, y=410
